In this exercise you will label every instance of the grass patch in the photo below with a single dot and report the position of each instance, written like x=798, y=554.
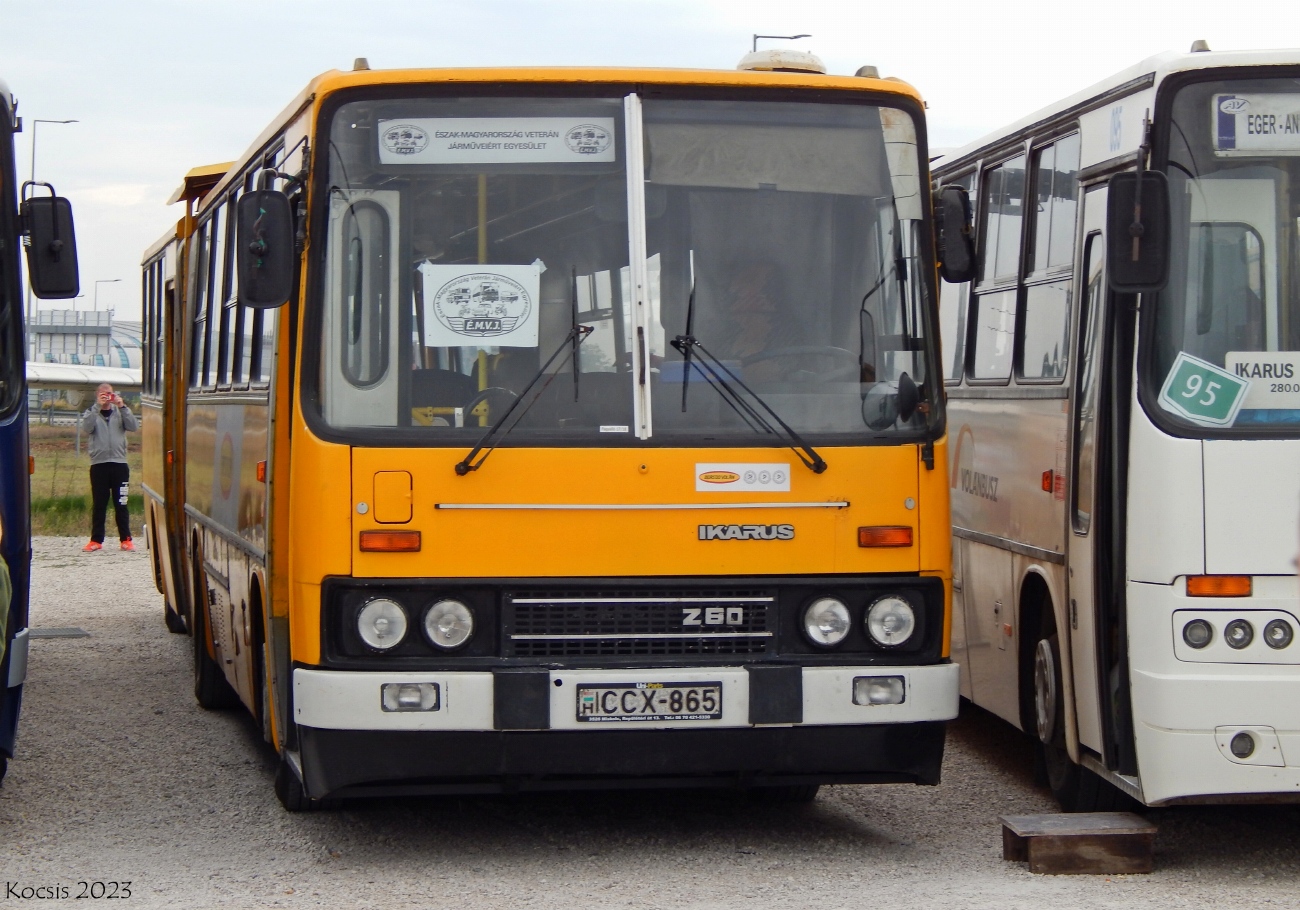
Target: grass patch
x=61, y=484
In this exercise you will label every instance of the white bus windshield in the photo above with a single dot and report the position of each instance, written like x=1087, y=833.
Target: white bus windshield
x=1233, y=299
x=467, y=236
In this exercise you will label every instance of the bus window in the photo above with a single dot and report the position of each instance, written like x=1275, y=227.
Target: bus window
x=202, y=294
x=365, y=294
x=996, y=308
x=1047, y=330
x=1085, y=411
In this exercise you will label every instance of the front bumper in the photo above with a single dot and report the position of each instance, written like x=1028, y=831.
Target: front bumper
x=478, y=740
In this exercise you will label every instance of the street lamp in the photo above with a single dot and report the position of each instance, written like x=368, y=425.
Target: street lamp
x=97, y=284
x=31, y=313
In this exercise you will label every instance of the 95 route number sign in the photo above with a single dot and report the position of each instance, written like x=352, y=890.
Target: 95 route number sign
x=1203, y=393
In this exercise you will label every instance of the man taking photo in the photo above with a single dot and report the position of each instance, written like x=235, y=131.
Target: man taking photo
x=106, y=424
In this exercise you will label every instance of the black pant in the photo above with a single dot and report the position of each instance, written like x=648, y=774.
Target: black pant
x=109, y=479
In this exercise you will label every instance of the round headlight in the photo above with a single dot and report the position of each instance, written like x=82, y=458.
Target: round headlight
x=448, y=624
x=1238, y=634
x=382, y=624
x=826, y=621
x=1198, y=633
x=891, y=621
x=1278, y=634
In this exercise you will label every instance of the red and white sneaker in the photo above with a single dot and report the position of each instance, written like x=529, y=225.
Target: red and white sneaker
x=92, y=547
x=128, y=544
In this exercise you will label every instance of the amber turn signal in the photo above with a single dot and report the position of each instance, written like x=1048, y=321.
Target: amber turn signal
x=1218, y=585
x=887, y=536
x=390, y=541
x=261, y=472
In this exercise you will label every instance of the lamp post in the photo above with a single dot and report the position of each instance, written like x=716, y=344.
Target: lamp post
x=97, y=284
x=31, y=313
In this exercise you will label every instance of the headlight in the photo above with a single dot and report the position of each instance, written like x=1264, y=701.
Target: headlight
x=382, y=624
x=448, y=624
x=1238, y=634
x=826, y=621
x=1278, y=634
x=891, y=621
x=1198, y=633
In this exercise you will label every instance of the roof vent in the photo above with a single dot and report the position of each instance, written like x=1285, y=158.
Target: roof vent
x=867, y=72
x=361, y=63
x=1199, y=46
x=782, y=60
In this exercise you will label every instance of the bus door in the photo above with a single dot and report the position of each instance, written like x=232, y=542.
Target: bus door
x=1098, y=634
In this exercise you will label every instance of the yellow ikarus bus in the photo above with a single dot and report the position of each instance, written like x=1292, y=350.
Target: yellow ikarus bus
x=572, y=428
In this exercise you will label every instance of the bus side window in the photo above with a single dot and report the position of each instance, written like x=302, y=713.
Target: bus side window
x=954, y=309
x=996, y=299
x=202, y=335
x=1050, y=254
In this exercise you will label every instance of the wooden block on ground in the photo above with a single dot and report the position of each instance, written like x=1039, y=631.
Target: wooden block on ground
x=1082, y=843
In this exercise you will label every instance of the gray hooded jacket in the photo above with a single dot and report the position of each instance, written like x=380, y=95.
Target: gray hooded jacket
x=107, y=438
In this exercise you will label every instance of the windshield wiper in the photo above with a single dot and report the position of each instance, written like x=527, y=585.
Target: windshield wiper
x=714, y=370
x=577, y=335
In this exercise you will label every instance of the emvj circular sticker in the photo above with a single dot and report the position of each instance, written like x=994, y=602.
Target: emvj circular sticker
x=482, y=304
x=405, y=139
x=587, y=139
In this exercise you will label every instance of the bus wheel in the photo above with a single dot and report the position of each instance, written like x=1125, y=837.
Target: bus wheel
x=290, y=792
x=175, y=623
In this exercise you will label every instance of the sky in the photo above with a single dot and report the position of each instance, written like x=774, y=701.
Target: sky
x=161, y=86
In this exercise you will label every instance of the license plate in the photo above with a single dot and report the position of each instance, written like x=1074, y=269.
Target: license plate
x=630, y=702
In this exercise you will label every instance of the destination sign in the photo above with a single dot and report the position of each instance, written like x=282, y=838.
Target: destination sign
x=1253, y=124
x=497, y=140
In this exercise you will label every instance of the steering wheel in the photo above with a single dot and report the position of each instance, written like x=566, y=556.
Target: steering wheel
x=486, y=395
x=851, y=369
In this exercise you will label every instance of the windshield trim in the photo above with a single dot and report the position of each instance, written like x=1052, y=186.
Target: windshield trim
x=1148, y=384
x=310, y=325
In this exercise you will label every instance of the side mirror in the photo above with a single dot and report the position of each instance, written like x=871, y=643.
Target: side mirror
x=51, y=247
x=265, y=253
x=1137, y=232
x=956, y=242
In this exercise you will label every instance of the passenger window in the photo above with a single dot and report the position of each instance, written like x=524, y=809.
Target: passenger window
x=995, y=330
x=202, y=268
x=365, y=293
x=1056, y=173
x=1047, y=331
x=1085, y=411
x=1004, y=206
x=954, y=307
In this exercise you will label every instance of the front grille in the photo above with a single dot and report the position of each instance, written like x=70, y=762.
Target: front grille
x=639, y=623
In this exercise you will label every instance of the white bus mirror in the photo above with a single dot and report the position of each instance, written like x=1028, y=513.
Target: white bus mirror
x=265, y=249
x=1137, y=232
x=956, y=243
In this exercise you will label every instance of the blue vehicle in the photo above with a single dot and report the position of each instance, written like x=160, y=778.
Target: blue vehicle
x=42, y=225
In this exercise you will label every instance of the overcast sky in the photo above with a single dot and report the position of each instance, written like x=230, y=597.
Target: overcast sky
x=161, y=86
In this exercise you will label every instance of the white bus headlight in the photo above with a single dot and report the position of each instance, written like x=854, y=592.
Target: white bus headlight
x=826, y=621
x=891, y=621
x=448, y=624
x=382, y=624
x=1198, y=633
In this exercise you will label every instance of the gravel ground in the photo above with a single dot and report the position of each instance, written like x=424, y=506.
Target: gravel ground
x=121, y=777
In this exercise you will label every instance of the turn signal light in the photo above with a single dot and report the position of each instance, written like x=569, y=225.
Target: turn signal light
x=885, y=536
x=31, y=464
x=390, y=541
x=1218, y=585
x=261, y=472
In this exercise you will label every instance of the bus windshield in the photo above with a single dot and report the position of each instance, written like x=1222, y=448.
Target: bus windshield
x=12, y=356
x=468, y=236
x=1233, y=299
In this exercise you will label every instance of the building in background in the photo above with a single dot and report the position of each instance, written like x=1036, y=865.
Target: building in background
x=84, y=338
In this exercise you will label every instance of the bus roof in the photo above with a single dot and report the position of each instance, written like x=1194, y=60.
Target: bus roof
x=1152, y=70
x=199, y=180
x=332, y=81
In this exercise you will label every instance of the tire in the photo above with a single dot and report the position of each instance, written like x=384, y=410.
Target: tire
x=292, y=796
x=175, y=624
x=211, y=690
x=4, y=767
x=1075, y=788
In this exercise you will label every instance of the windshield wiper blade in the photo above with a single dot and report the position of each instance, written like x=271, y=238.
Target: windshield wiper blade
x=577, y=335
x=713, y=369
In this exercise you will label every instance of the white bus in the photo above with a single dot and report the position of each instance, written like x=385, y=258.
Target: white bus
x=1125, y=467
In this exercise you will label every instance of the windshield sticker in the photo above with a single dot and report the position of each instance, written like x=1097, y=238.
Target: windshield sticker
x=1256, y=124
x=742, y=478
x=477, y=304
x=1274, y=378
x=497, y=140
x=1203, y=393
